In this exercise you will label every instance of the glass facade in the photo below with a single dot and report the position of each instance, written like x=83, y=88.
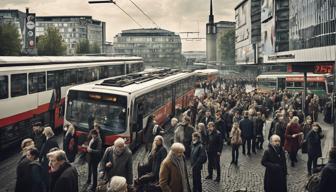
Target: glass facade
x=312, y=23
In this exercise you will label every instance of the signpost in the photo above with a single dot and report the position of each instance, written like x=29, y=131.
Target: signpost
x=30, y=36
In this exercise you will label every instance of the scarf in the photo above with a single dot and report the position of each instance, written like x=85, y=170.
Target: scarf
x=179, y=162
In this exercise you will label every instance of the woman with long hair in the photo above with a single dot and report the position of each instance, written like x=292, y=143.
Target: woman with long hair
x=236, y=141
x=70, y=143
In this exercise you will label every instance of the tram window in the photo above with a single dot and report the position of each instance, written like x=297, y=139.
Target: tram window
x=51, y=80
x=18, y=84
x=80, y=76
x=289, y=84
x=3, y=87
x=67, y=77
x=298, y=84
x=37, y=82
x=103, y=72
x=73, y=76
x=60, y=78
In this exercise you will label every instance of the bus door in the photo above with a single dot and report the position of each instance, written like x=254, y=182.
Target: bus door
x=281, y=84
x=137, y=124
x=173, y=99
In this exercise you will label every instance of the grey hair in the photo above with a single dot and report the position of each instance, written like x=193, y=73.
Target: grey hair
x=58, y=154
x=275, y=137
x=117, y=184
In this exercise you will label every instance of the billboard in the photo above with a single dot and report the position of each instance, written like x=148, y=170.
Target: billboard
x=268, y=37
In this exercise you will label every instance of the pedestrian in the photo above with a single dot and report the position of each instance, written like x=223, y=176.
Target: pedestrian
x=207, y=118
x=236, y=141
x=276, y=170
x=148, y=132
x=314, y=148
x=214, y=150
x=328, y=175
x=50, y=143
x=152, y=169
x=22, y=169
x=63, y=176
x=117, y=184
x=293, y=139
x=183, y=134
x=197, y=159
x=246, y=126
x=94, y=151
x=220, y=125
x=117, y=161
x=259, y=126
x=70, y=143
x=35, y=172
x=173, y=171
x=203, y=132
x=38, y=137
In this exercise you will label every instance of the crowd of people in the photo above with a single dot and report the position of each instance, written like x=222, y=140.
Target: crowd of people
x=224, y=116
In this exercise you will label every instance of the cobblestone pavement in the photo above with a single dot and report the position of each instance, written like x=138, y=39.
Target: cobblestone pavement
x=249, y=174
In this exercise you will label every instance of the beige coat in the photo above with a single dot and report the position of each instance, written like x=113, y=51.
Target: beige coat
x=235, y=136
x=170, y=177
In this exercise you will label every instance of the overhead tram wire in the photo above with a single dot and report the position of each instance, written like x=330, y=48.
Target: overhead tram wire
x=143, y=12
x=114, y=2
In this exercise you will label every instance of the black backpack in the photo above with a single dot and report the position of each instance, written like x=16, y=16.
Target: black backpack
x=313, y=182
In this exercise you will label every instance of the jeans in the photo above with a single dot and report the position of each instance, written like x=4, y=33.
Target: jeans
x=93, y=172
x=248, y=141
x=235, y=153
x=312, y=160
x=214, y=163
x=196, y=176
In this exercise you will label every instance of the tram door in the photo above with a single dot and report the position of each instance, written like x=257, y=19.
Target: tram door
x=281, y=84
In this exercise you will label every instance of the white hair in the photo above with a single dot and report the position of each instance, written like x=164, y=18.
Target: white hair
x=117, y=184
x=119, y=141
x=48, y=132
x=177, y=147
x=274, y=137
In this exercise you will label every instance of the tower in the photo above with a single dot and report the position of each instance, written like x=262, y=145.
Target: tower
x=211, y=37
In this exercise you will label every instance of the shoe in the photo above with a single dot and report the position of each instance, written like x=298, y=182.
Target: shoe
x=208, y=177
x=217, y=179
x=254, y=152
x=244, y=153
x=248, y=154
x=232, y=162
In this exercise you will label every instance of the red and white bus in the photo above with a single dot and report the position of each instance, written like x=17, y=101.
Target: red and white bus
x=121, y=105
x=33, y=88
x=206, y=75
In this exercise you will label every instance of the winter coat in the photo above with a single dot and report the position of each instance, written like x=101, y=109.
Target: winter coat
x=49, y=144
x=220, y=126
x=215, y=142
x=157, y=160
x=70, y=146
x=121, y=165
x=22, y=175
x=65, y=179
x=246, y=126
x=37, y=184
x=197, y=154
x=328, y=177
x=207, y=120
x=95, y=155
x=276, y=170
x=292, y=144
x=171, y=178
x=235, y=136
x=39, y=140
x=314, y=144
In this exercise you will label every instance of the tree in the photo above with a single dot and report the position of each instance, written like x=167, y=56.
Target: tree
x=83, y=47
x=10, y=43
x=51, y=43
x=95, y=48
x=227, y=45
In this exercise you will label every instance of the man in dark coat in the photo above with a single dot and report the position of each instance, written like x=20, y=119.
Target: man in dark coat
x=117, y=161
x=197, y=158
x=214, y=150
x=94, y=153
x=64, y=177
x=328, y=175
x=276, y=169
x=247, y=133
x=314, y=147
x=35, y=172
x=208, y=118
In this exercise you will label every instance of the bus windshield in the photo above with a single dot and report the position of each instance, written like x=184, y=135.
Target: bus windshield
x=86, y=108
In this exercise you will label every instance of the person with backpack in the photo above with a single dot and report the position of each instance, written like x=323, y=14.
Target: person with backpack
x=197, y=159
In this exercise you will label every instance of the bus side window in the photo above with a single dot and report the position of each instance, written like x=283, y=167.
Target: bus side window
x=3, y=87
x=18, y=84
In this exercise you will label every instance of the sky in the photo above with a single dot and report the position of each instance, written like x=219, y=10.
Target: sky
x=177, y=16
